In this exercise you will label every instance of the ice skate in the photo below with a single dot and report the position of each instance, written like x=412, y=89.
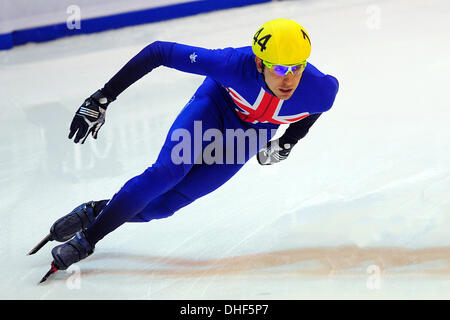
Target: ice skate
x=76, y=249
x=64, y=255
x=77, y=220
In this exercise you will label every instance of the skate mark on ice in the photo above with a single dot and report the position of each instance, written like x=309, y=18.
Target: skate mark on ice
x=344, y=260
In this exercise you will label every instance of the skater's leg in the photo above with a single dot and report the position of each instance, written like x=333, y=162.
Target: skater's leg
x=162, y=207
x=162, y=176
x=201, y=180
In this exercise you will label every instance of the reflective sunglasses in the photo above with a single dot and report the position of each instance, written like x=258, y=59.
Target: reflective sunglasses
x=281, y=70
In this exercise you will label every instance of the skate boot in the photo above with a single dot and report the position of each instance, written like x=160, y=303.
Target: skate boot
x=72, y=251
x=77, y=220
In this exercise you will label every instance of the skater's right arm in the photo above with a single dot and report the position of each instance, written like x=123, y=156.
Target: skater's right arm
x=145, y=61
x=91, y=115
x=223, y=65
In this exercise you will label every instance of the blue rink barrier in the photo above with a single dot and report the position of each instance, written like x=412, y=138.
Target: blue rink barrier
x=98, y=24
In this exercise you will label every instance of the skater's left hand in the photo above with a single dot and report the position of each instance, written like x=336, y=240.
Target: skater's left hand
x=274, y=152
x=89, y=117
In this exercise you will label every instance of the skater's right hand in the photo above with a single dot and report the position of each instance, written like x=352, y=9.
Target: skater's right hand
x=89, y=117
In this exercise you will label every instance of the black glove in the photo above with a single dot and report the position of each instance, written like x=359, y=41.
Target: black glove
x=89, y=117
x=274, y=152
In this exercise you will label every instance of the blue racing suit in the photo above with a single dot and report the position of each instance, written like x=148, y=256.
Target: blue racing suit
x=233, y=98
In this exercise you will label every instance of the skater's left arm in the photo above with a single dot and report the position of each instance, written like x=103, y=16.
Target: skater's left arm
x=298, y=130
x=279, y=149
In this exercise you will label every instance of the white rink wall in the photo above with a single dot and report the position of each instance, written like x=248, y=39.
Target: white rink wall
x=24, y=22
x=24, y=14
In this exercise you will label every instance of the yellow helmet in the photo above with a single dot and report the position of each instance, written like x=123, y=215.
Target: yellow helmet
x=282, y=41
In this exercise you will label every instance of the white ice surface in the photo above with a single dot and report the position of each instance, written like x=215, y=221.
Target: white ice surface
x=367, y=188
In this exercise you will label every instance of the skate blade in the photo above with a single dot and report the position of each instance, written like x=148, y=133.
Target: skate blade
x=52, y=270
x=40, y=244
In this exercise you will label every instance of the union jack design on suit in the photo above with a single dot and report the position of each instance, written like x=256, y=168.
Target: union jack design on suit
x=264, y=109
